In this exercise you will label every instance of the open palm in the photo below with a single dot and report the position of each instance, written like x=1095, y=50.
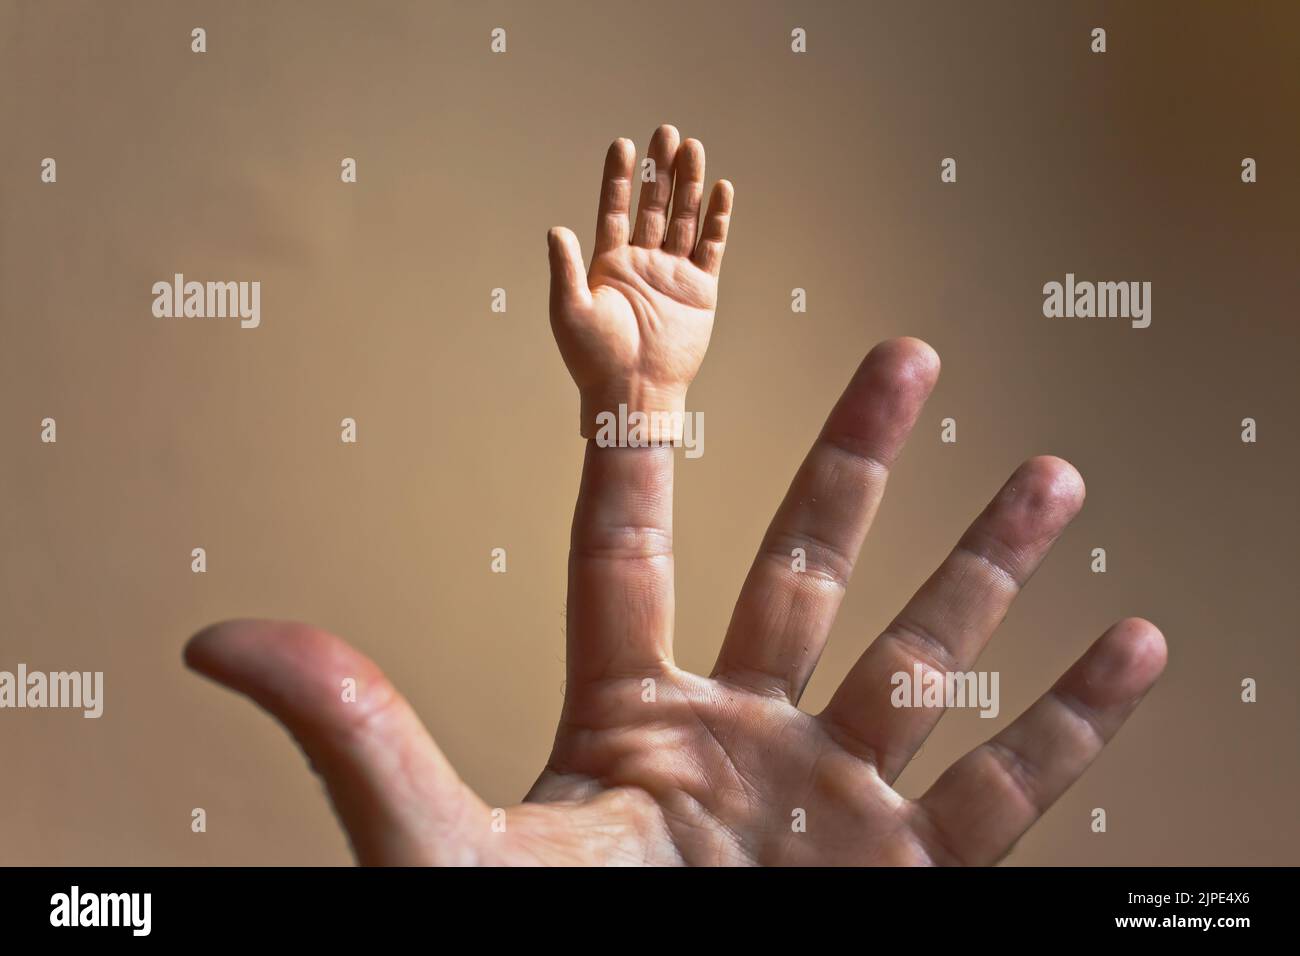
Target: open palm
x=654, y=765
x=634, y=327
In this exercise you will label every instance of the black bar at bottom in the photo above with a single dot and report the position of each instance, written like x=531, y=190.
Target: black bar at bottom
x=332, y=905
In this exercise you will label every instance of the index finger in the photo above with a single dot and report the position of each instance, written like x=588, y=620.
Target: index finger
x=615, y=196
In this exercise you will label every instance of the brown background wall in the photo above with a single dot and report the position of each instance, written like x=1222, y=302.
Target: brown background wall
x=174, y=434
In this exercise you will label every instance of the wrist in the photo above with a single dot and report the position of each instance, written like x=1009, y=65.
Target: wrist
x=633, y=414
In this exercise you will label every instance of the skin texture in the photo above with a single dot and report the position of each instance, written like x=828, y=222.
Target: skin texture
x=714, y=770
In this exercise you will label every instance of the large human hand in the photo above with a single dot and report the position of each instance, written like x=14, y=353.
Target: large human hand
x=711, y=770
x=633, y=328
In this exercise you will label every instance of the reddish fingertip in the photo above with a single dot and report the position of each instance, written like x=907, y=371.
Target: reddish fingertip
x=1048, y=483
x=1141, y=644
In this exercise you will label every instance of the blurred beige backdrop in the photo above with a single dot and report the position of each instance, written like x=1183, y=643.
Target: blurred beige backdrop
x=175, y=434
